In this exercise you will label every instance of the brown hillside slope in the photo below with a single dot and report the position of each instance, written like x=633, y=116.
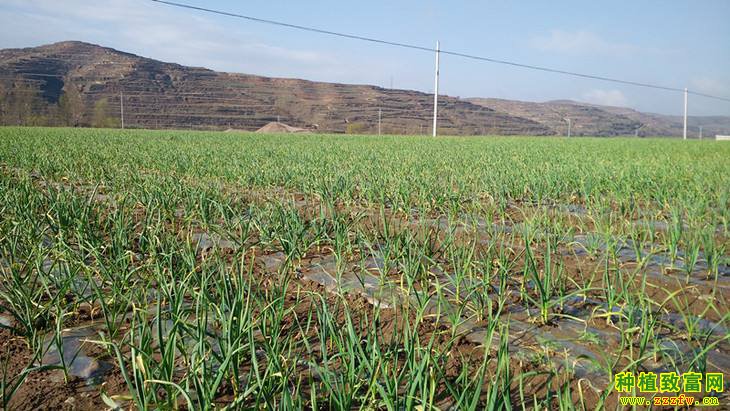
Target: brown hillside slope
x=165, y=95
x=79, y=84
x=595, y=120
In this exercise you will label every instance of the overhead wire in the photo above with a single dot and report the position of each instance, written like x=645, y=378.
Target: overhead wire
x=432, y=50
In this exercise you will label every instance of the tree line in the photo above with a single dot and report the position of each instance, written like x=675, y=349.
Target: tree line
x=22, y=104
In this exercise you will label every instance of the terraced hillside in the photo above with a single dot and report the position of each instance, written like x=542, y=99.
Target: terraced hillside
x=595, y=120
x=165, y=95
x=586, y=119
x=80, y=84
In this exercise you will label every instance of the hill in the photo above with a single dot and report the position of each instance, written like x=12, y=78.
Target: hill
x=81, y=84
x=596, y=120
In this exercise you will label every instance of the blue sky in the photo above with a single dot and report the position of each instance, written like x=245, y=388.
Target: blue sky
x=674, y=43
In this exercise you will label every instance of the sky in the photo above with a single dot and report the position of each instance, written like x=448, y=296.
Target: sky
x=678, y=43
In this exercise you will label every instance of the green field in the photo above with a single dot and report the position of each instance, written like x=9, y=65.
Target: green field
x=176, y=269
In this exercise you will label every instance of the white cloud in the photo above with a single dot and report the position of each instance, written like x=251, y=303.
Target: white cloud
x=580, y=42
x=605, y=98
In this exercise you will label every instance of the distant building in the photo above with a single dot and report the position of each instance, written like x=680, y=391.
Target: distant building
x=722, y=138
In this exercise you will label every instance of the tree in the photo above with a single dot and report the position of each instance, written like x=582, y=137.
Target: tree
x=101, y=117
x=71, y=106
x=355, y=128
x=22, y=105
x=3, y=106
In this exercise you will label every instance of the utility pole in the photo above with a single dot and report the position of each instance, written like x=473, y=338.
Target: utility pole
x=380, y=116
x=436, y=90
x=684, y=135
x=121, y=106
x=568, y=120
x=636, y=130
x=700, y=132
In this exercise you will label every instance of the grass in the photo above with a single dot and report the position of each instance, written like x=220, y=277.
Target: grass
x=457, y=265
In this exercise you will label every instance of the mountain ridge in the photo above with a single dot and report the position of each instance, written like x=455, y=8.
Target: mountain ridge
x=80, y=84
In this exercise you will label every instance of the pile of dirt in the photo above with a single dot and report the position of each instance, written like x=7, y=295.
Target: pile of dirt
x=277, y=127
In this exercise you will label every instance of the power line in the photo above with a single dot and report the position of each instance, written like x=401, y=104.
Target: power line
x=431, y=50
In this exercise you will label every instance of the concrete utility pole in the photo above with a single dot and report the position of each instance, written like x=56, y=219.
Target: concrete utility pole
x=121, y=106
x=569, y=124
x=636, y=130
x=380, y=116
x=684, y=135
x=436, y=90
x=700, y=132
